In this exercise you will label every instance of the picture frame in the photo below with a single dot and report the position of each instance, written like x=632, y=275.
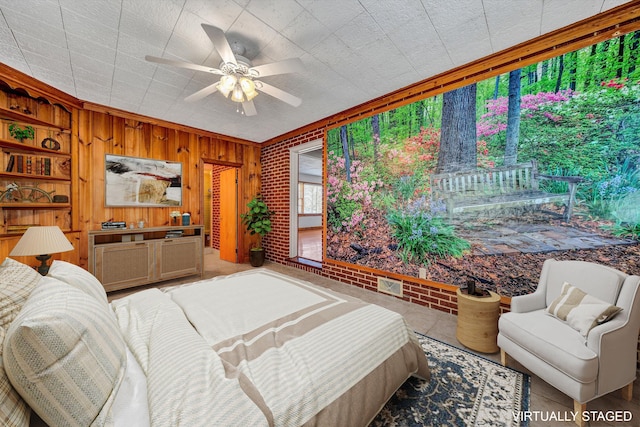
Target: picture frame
x=141, y=182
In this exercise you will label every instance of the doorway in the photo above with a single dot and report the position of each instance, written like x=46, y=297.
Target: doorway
x=224, y=209
x=306, y=211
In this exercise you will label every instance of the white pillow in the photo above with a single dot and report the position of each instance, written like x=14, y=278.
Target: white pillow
x=79, y=278
x=64, y=354
x=580, y=310
x=17, y=281
x=14, y=411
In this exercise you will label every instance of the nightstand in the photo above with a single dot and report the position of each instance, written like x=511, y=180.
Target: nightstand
x=477, y=326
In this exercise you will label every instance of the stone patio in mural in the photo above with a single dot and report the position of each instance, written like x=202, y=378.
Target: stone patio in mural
x=510, y=238
x=506, y=253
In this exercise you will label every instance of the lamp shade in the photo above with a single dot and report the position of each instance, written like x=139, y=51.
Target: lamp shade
x=248, y=87
x=226, y=84
x=237, y=95
x=42, y=240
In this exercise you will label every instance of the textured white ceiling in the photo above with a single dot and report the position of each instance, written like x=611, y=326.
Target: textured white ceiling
x=353, y=50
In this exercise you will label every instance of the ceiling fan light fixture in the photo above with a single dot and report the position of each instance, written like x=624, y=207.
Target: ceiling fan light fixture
x=227, y=84
x=248, y=87
x=238, y=77
x=251, y=95
x=237, y=95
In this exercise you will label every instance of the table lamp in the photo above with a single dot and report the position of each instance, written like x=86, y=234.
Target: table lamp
x=42, y=241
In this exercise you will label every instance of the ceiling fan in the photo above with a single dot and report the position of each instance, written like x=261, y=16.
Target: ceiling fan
x=238, y=77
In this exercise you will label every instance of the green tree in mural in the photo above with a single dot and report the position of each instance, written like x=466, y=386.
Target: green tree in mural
x=375, y=126
x=634, y=52
x=513, y=118
x=345, y=151
x=458, y=130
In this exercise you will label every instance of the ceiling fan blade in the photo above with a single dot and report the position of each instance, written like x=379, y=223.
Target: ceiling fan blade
x=220, y=42
x=278, y=93
x=183, y=64
x=249, y=108
x=202, y=93
x=293, y=65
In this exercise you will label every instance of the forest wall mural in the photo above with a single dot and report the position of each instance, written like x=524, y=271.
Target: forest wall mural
x=576, y=116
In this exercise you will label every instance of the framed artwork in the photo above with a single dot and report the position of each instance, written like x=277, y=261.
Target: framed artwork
x=139, y=182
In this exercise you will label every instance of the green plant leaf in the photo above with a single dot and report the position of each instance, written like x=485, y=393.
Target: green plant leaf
x=257, y=218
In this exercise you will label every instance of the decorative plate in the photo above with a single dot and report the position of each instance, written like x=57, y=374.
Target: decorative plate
x=51, y=144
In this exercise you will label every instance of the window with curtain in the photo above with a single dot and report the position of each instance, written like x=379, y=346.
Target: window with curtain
x=309, y=198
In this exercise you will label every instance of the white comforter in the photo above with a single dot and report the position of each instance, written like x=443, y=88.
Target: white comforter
x=260, y=348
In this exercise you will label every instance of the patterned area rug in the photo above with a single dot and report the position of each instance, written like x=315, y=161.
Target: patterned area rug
x=465, y=390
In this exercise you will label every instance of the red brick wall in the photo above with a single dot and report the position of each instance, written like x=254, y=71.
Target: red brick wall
x=275, y=190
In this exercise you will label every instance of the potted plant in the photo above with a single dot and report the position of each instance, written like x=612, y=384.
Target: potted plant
x=258, y=221
x=18, y=133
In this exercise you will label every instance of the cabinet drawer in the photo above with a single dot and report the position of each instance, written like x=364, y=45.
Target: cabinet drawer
x=119, y=266
x=178, y=257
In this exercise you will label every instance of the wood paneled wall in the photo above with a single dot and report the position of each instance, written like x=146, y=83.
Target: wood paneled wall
x=97, y=131
x=102, y=133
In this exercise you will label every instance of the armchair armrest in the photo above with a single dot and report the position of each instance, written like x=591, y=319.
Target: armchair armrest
x=530, y=302
x=606, y=331
x=615, y=343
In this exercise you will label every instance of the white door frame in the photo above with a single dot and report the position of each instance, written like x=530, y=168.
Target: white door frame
x=294, y=165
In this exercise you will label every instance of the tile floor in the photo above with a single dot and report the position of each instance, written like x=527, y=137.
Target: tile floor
x=547, y=401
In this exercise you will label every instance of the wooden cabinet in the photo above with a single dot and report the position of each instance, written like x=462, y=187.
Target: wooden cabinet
x=124, y=265
x=125, y=258
x=35, y=172
x=179, y=257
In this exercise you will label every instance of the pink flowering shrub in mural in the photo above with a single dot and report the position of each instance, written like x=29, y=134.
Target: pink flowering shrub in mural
x=494, y=120
x=347, y=199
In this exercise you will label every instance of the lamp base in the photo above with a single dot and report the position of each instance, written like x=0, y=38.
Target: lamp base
x=43, y=268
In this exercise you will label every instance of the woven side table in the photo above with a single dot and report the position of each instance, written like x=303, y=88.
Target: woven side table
x=477, y=326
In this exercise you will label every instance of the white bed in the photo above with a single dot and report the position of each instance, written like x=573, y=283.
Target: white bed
x=250, y=349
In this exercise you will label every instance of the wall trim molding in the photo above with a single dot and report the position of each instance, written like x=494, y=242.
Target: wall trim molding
x=294, y=164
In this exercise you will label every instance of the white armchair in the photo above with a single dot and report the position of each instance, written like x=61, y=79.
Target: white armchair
x=582, y=367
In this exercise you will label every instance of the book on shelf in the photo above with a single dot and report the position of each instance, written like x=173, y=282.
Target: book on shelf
x=31, y=165
x=173, y=234
x=10, y=163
